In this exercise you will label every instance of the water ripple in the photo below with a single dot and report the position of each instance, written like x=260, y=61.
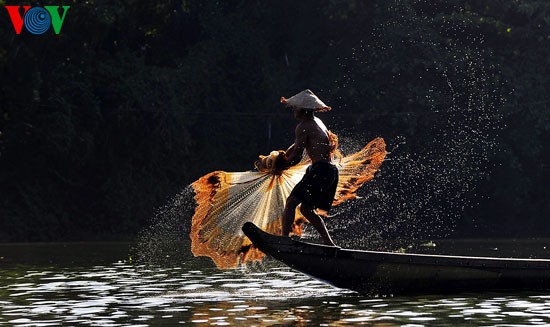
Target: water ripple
x=121, y=294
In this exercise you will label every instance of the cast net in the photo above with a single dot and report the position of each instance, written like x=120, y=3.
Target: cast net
x=226, y=200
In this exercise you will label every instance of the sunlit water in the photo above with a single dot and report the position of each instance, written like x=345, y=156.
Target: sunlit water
x=96, y=285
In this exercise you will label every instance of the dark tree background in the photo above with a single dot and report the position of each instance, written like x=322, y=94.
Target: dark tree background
x=132, y=101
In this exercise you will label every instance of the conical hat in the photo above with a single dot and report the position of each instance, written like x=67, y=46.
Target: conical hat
x=306, y=100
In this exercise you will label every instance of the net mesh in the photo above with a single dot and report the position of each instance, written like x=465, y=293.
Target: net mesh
x=226, y=200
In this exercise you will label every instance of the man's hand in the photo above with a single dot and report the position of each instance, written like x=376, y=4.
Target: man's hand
x=273, y=163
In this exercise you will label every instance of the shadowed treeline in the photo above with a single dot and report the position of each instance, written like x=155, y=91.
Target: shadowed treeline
x=132, y=101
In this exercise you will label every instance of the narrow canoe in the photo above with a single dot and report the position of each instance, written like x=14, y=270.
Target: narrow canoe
x=373, y=272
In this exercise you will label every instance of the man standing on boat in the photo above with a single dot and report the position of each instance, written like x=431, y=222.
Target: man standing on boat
x=317, y=188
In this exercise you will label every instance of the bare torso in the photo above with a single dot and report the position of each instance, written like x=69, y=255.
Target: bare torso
x=317, y=144
x=312, y=136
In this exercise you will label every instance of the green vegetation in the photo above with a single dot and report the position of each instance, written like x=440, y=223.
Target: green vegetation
x=131, y=102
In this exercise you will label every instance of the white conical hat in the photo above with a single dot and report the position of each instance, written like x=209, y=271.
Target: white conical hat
x=306, y=100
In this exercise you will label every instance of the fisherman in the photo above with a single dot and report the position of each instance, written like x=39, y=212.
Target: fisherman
x=317, y=188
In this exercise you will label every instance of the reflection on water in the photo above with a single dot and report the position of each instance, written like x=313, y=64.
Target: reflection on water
x=121, y=294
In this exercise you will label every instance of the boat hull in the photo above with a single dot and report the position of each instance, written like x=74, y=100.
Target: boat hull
x=374, y=272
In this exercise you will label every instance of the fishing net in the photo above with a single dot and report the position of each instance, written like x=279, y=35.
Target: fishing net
x=226, y=200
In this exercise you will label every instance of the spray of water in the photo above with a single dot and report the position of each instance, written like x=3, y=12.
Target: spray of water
x=166, y=240
x=429, y=180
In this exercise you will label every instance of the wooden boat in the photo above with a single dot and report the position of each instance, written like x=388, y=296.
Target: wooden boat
x=373, y=272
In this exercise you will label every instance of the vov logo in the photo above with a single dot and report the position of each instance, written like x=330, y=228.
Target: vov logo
x=37, y=20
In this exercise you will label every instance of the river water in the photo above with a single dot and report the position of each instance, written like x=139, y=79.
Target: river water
x=100, y=284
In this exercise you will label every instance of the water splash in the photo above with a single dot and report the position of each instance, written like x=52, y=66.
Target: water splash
x=162, y=242
x=431, y=85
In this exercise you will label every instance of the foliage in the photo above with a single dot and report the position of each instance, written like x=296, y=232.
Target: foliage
x=101, y=124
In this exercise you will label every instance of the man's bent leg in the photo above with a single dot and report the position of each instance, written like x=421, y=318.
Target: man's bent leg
x=316, y=222
x=288, y=214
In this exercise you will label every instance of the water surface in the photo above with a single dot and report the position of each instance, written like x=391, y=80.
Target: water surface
x=97, y=284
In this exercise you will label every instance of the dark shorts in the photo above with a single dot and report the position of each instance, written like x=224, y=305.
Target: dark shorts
x=318, y=186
